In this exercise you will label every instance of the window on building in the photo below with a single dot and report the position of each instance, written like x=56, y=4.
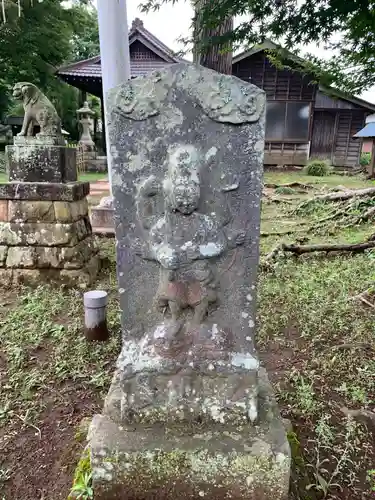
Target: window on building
x=287, y=121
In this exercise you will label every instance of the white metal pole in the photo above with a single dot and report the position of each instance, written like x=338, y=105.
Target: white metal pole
x=114, y=54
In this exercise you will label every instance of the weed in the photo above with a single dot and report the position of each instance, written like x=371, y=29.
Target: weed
x=365, y=159
x=5, y=475
x=354, y=393
x=82, y=489
x=304, y=397
x=332, y=473
x=371, y=479
x=324, y=431
x=285, y=190
x=82, y=484
x=318, y=168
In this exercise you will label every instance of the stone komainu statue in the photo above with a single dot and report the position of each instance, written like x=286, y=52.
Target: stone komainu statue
x=39, y=110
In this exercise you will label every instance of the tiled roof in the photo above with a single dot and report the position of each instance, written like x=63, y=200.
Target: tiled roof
x=91, y=68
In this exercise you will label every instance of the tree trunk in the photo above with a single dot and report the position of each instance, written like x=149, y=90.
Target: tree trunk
x=206, y=52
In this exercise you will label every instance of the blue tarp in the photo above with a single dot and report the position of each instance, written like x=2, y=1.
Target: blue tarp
x=367, y=131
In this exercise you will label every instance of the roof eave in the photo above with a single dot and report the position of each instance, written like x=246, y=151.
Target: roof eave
x=78, y=64
x=346, y=97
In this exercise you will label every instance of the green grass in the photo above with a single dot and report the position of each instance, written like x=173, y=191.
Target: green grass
x=42, y=341
x=87, y=177
x=318, y=343
x=92, y=176
x=330, y=180
x=315, y=334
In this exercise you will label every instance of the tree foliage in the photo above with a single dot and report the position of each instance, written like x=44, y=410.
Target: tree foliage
x=85, y=40
x=35, y=40
x=347, y=27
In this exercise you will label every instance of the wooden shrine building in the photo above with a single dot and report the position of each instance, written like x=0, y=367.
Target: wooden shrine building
x=304, y=119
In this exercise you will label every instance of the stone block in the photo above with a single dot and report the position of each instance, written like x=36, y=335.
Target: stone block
x=3, y=254
x=83, y=277
x=180, y=461
x=32, y=277
x=70, y=211
x=41, y=163
x=3, y=210
x=21, y=257
x=38, y=140
x=49, y=257
x=75, y=257
x=80, y=208
x=63, y=212
x=43, y=234
x=6, y=276
x=31, y=211
x=43, y=191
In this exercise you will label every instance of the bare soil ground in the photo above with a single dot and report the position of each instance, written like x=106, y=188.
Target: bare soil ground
x=315, y=341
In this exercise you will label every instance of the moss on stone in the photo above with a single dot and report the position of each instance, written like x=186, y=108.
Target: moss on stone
x=200, y=470
x=295, y=449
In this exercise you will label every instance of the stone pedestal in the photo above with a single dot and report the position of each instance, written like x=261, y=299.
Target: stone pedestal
x=102, y=217
x=192, y=460
x=33, y=161
x=45, y=231
x=189, y=414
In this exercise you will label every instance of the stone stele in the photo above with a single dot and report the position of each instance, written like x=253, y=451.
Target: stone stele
x=190, y=414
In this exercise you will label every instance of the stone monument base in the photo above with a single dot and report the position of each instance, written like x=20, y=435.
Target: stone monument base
x=192, y=461
x=46, y=235
x=102, y=217
x=34, y=160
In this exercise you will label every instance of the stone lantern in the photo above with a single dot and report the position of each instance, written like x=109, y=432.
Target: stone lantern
x=85, y=115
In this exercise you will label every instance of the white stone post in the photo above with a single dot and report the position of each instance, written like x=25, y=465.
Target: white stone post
x=114, y=53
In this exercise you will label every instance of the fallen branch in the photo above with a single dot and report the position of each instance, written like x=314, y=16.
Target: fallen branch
x=30, y=425
x=289, y=185
x=282, y=233
x=364, y=296
x=366, y=416
x=268, y=260
x=339, y=247
x=272, y=199
x=339, y=196
x=362, y=218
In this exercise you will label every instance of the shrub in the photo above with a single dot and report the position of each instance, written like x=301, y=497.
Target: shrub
x=365, y=159
x=319, y=168
x=285, y=190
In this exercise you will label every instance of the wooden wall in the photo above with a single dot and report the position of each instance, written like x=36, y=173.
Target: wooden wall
x=138, y=51
x=333, y=121
x=279, y=85
x=332, y=137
